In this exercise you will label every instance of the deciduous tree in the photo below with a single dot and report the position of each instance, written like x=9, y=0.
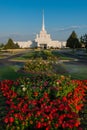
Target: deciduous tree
x=83, y=40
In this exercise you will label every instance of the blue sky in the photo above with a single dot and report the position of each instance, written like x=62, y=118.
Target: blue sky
x=22, y=19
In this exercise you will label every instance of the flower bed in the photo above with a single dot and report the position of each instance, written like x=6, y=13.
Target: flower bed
x=38, y=65
x=43, y=103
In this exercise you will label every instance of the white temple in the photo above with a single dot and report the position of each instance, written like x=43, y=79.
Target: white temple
x=42, y=40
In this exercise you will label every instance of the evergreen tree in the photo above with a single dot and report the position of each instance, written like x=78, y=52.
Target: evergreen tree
x=11, y=45
x=16, y=46
x=1, y=45
x=73, y=41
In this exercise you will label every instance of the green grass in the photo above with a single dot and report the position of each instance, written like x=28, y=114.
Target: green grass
x=45, y=54
x=61, y=56
x=77, y=71
x=60, y=69
x=9, y=72
x=66, y=58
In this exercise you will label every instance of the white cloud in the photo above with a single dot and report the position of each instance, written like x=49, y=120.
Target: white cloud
x=70, y=28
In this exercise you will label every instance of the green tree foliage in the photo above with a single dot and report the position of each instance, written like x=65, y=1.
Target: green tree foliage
x=73, y=41
x=11, y=45
x=16, y=46
x=1, y=45
x=83, y=40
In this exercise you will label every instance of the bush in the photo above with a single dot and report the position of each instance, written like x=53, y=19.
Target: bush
x=38, y=66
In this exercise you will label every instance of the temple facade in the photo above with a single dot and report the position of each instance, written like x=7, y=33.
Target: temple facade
x=42, y=40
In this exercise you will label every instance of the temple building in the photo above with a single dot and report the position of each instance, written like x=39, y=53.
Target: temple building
x=42, y=40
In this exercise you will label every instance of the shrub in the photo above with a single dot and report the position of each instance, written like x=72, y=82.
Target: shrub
x=38, y=66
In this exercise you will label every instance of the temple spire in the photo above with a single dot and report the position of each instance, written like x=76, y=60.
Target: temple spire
x=43, y=25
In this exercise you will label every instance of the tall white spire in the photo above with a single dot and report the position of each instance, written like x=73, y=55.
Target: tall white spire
x=43, y=24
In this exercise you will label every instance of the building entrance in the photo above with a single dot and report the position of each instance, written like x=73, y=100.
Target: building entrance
x=43, y=46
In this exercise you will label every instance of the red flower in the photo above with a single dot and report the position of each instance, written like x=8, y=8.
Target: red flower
x=64, y=99
x=38, y=125
x=6, y=120
x=11, y=119
x=77, y=123
x=48, y=127
x=56, y=125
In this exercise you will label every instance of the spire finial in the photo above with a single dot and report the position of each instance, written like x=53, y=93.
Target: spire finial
x=43, y=25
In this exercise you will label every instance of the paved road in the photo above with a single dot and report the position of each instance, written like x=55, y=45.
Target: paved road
x=80, y=58
x=7, y=60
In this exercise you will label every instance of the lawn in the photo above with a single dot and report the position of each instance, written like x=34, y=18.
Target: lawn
x=76, y=71
x=9, y=72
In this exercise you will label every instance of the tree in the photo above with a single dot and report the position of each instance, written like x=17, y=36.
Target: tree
x=16, y=46
x=1, y=45
x=73, y=41
x=83, y=40
x=11, y=45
